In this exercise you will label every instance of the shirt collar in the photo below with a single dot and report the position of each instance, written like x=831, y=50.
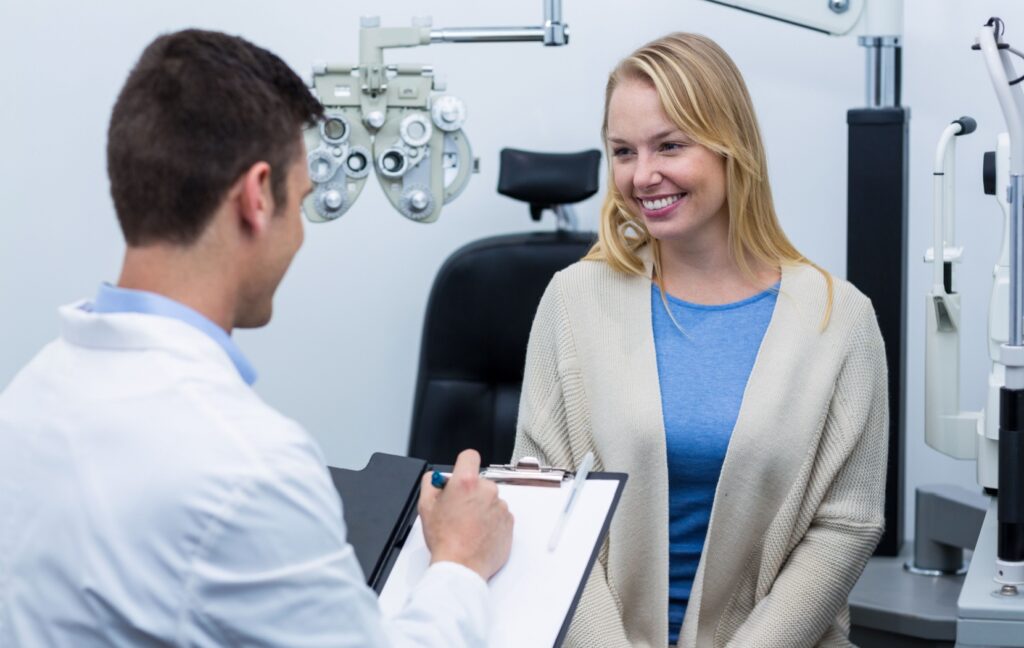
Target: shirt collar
x=113, y=299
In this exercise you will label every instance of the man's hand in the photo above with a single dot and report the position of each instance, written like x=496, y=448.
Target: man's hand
x=466, y=522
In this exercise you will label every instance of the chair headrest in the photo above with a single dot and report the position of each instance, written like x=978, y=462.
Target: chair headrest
x=547, y=179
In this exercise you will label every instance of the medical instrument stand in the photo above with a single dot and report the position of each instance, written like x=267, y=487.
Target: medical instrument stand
x=991, y=604
x=949, y=518
x=947, y=429
x=878, y=145
x=912, y=599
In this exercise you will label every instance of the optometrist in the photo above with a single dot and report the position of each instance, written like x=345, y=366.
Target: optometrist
x=147, y=495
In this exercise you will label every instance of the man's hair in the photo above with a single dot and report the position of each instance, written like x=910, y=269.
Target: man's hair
x=197, y=110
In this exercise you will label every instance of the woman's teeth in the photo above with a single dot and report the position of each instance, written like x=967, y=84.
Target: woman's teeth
x=660, y=203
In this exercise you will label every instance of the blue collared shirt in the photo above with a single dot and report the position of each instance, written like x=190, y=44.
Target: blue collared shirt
x=113, y=299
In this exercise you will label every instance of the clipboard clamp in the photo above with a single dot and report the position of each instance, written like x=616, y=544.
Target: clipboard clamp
x=528, y=471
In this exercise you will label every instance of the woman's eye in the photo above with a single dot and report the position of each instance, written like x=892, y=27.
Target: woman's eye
x=620, y=152
x=671, y=146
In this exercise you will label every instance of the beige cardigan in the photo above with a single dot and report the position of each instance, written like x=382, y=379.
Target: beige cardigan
x=799, y=503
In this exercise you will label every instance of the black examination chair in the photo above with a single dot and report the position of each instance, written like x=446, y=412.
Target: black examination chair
x=481, y=308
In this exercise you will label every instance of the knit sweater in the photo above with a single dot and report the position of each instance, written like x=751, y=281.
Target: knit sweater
x=799, y=504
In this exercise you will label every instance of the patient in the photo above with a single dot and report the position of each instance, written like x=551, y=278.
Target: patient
x=741, y=386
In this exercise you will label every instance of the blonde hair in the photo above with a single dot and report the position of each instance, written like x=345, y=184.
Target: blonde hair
x=703, y=94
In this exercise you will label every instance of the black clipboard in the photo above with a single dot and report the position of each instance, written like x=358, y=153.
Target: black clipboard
x=380, y=509
x=621, y=477
x=379, y=505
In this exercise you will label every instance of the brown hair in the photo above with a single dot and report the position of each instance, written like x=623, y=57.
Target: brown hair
x=197, y=110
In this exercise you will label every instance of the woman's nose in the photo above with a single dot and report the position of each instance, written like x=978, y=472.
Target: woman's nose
x=647, y=173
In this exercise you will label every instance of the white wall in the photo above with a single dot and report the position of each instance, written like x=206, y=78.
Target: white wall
x=341, y=353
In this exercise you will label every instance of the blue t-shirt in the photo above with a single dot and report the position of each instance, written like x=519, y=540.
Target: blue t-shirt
x=703, y=371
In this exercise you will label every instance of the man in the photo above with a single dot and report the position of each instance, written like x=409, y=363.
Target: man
x=147, y=495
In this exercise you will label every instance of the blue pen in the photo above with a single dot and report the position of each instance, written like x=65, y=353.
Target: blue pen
x=438, y=479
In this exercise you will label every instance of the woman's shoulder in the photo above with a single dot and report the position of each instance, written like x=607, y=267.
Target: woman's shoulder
x=589, y=278
x=812, y=286
x=591, y=291
x=850, y=323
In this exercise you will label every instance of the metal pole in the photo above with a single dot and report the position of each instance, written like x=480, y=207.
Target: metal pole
x=487, y=35
x=552, y=11
x=882, y=71
x=552, y=32
x=1016, y=259
x=876, y=224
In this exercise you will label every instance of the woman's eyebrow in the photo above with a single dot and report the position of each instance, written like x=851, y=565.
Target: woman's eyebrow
x=657, y=136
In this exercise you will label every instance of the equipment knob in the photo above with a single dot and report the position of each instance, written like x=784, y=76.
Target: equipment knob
x=375, y=119
x=334, y=200
x=419, y=200
x=449, y=113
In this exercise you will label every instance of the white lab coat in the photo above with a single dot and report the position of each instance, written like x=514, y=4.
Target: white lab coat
x=149, y=497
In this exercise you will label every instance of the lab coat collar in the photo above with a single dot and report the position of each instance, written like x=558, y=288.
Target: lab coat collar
x=129, y=331
x=115, y=299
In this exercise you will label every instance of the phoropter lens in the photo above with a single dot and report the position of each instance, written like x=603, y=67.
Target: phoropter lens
x=335, y=129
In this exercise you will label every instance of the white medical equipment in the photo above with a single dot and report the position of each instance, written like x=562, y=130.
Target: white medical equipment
x=1010, y=553
x=990, y=609
x=948, y=429
x=397, y=120
x=878, y=26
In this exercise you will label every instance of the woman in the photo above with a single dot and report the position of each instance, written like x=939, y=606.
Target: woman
x=741, y=387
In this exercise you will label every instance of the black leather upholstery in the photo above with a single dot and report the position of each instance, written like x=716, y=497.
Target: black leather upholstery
x=474, y=340
x=548, y=179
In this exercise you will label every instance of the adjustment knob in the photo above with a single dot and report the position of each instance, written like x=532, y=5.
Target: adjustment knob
x=449, y=113
x=415, y=129
x=333, y=200
x=419, y=200
x=375, y=119
x=416, y=202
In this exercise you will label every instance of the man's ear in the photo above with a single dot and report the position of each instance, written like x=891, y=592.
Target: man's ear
x=255, y=198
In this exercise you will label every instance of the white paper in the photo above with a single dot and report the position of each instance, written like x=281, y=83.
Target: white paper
x=531, y=595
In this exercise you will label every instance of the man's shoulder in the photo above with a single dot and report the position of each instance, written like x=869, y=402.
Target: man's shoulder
x=163, y=395
x=187, y=416
x=235, y=420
